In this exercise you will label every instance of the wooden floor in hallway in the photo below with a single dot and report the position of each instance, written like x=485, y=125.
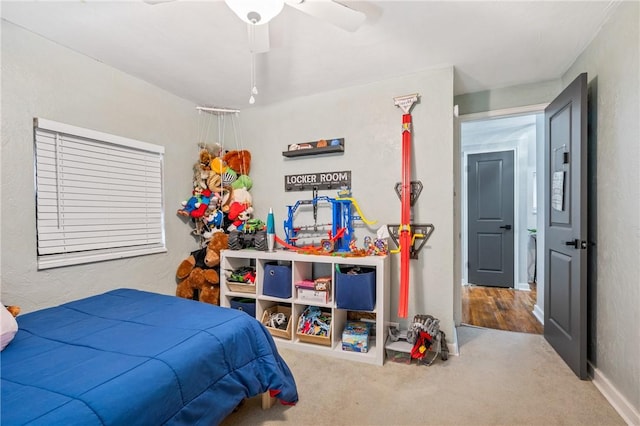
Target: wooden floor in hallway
x=500, y=308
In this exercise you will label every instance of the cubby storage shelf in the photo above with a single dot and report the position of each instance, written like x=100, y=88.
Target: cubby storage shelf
x=305, y=266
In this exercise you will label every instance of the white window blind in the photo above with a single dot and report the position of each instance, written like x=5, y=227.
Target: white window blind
x=99, y=196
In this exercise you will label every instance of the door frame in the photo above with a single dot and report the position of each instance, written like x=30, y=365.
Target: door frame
x=459, y=178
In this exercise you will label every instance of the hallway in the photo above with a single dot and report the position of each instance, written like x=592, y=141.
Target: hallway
x=500, y=308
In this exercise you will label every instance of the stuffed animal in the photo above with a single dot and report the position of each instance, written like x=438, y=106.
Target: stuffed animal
x=198, y=275
x=239, y=213
x=243, y=181
x=13, y=310
x=239, y=161
x=217, y=165
x=200, y=175
x=207, y=153
x=212, y=220
x=226, y=198
x=242, y=196
x=209, y=224
x=229, y=177
x=214, y=182
x=197, y=205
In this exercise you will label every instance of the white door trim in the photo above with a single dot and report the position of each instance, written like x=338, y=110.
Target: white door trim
x=507, y=112
x=458, y=120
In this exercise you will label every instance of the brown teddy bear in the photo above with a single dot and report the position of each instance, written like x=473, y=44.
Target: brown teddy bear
x=238, y=161
x=198, y=274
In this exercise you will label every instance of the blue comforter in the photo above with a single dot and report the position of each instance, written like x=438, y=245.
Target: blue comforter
x=129, y=357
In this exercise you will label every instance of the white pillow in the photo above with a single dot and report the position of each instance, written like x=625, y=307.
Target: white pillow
x=8, y=327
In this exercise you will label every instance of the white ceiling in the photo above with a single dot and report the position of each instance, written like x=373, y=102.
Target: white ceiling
x=199, y=50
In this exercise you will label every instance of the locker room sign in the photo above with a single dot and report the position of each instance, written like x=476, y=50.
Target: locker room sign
x=323, y=180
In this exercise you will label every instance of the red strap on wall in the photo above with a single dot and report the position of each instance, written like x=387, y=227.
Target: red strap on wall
x=405, y=230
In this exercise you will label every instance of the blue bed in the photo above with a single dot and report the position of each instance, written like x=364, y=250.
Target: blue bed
x=130, y=357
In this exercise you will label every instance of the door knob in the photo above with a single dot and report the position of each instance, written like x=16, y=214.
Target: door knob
x=507, y=227
x=576, y=244
x=573, y=243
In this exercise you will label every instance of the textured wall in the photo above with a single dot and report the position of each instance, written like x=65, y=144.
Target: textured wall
x=371, y=125
x=612, y=63
x=43, y=79
x=77, y=90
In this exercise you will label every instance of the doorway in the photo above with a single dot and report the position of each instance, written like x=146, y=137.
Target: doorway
x=495, y=242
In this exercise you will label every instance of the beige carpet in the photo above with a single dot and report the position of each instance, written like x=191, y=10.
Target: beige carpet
x=500, y=378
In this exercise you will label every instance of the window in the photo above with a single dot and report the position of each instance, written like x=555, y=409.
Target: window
x=98, y=196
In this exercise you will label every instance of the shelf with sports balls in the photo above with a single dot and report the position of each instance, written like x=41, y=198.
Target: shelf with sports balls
x=323, y=146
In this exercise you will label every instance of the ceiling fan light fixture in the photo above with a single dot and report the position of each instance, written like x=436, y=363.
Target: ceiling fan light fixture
x=256, y=12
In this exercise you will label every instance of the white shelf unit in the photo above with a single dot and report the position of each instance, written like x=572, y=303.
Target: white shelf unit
x=305, y=266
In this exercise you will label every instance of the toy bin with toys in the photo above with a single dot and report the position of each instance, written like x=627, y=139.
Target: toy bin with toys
x=277, y=319
x=398, y=351
x=241, y=279
x=314, y=326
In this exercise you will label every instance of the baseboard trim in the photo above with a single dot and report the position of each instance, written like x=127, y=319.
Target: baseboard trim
x=452, y=343
x=523, y=287
x=537, y=312
x=628, y=413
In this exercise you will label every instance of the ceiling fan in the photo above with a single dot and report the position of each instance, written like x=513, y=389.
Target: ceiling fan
x=258, y=13
x=262, y=11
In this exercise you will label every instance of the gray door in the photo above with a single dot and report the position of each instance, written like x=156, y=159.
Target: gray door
x=490, y=211
x=565, y=291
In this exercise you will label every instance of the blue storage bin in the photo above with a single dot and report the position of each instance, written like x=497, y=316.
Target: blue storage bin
x=244, y=304
x=277, y=280
x=356, y=291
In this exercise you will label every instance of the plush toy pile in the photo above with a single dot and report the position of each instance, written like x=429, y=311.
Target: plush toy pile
x=220, y=202
x=199, y=274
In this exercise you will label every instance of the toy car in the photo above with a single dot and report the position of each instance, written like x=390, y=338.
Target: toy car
x=253, y=235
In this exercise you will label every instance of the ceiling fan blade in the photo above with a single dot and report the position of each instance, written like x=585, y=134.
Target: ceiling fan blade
x=338, y=14
x=258, y=38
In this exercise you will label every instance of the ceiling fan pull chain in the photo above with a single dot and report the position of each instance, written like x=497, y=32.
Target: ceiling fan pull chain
x=254, y=89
